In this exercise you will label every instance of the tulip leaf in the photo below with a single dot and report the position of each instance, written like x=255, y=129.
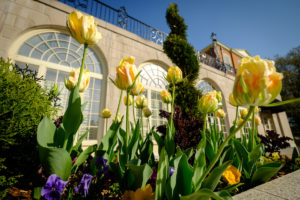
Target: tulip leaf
x=169, y=138
x=181, y=181
x=122, y=150
x=56, y=161
x=212, y=180
x=73, y=116
x=147, y=149
x=264, y=172
x=141, y=173
x=134, y=141
x=199, y=164
x=159, y=140
x=189, y=152
x=45, y=133
x=162, y=174
x=282, y=103
x=83, y=156
x=242, y=153
x=256, y=153
x=206, y=194
x=79, y=142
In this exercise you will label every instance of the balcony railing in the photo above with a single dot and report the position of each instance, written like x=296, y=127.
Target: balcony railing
x=118, y=17
x=215, y=63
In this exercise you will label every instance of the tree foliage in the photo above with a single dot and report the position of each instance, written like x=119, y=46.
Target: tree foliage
x=289, y=65
x=23, y=104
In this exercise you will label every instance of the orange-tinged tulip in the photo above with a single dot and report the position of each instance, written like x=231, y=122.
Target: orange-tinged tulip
x=141, y=102
x=220, y=113
x=83, y=28
x=232, y=101
x=139, y=88
x=257, y=120
x=126, y=73
x=71, y=82
x=174, y=74
x=240, y=121
x=232, y=175
x=208, y=102
x=166, y=97
x=257, y=82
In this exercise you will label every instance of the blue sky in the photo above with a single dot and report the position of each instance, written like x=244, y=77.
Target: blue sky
x=262, y=27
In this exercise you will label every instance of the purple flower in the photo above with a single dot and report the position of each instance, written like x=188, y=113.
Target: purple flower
x=101, y=164
x=171, y=170
x=53, y=187
x=83, y=186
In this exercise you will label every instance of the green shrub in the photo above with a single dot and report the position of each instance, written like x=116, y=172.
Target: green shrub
x=23, y=104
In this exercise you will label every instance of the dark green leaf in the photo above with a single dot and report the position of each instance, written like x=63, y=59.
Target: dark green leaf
x=134, y=141
x=141, y=173
x=242, y=153
x=159, y=140
x=79, y=142
x=256, y=153
x=45, y=133
x=162, y=175
x=169, y=138
x=37, y=192
x=203, y=194
x=83, y=156
x=264, y=172
x=199, y=164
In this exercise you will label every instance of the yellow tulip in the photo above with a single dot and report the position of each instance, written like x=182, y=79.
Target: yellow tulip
x=126, y=73
x=147, y=112
x=139, y=88
x=208, y=102
x=240, y=121
x=231, y=175
x=219, y=96
x=145, y=193
x=83, y=28
x=257, y=120
x=174, y=74
x=130, y=100
x=141, y=102
x=243, y=113
x=232, y=101
x=257, y=82
x=166, y=96
x=106, y=113
x=220, y=113
x=119, y=117
x=71, y=82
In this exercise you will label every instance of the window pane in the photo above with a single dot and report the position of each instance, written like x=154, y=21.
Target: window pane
x=34, y=40
x=61, y=76
x=96, y=107
x=94, y=120
x=93, y=134
x=96, y=96
x=97, y=84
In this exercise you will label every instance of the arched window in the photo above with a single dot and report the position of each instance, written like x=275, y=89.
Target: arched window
x=153, y=78
x=53, y=55
x=205, y=87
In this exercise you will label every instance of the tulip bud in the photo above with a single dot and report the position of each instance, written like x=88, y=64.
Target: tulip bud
x=257, y=82
x=126, y=73
x=174, y=75
x=220, y=113
x=257, y=120
x=138, y=89
x=208, y=103
x=71, y=82
x=83, y=28
x=240, y=121
x=219, y=96
x=141, y=102
x=243, y=113
x=106, y=113
x=231, y=100
x=130, y=100
x=166, y=96
x=119, y=117
x=147, y=112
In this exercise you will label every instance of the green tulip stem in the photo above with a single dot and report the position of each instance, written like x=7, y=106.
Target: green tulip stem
x=142, y=123
x=204, y=127
x=167, y=107
x=173, y=98
x=106, y=125
x=120, y=99
x=230, y=136
x=236, y=116
x=252, y=131
x=127, y=119
x=148, y=120
x=133, y=110
x=82, y=65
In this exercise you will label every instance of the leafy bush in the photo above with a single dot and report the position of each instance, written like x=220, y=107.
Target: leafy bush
x=23, y=104
x=274, y=142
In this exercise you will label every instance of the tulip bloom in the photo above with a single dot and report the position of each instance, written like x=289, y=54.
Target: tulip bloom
x=138, y=89
x=71, y=82
x=166, y=96
x=220, y=113
x=243, y=113
x=257, y=82
x=147, y=112
x=208, y=102
x=141, y=102
x=106, y=113
x=232, y=101
x=174, y=75
x=129, y=102
x=126, y=73
x=257, y=120
x=83, y=28
x=231, y=175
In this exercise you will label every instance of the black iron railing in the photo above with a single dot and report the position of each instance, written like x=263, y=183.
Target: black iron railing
x=118, y=17
x=215, y=63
